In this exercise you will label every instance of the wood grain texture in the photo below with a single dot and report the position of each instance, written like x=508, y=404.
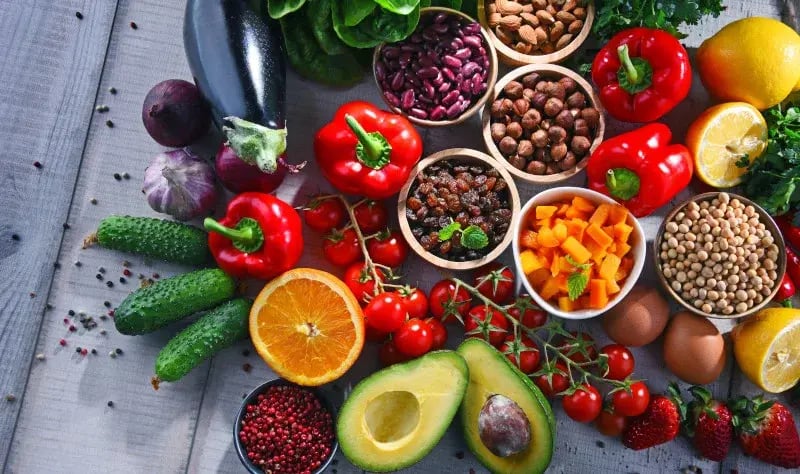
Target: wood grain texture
x=188, y=426
x=49, y=69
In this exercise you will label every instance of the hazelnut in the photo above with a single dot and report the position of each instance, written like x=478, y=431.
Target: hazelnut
x=514, y=130
x=565, y=119
x=497, y=109
x=507, y=146
x=528, y=93
x=545, y=124
x=513, y=90
x=517, y=161
x=580, y=145
x=568, y=162
x=552, y=169
x=569, y=84
x=558, y=151
x=536, y=167
x=498, y=131
x=539, y=138
x=556, y=134
x=531, y=119
x=521, y=106
x=543, y=155
x=576, y=100
x=555, y=89
x=581, y=128
x=592, y=117
x=553, y=106
x=525, y=148
x=507, y=105
x=541, y=86
x=530, y=80
x=539, y=99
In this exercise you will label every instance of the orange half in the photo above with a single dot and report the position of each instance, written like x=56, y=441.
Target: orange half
x=307, y=325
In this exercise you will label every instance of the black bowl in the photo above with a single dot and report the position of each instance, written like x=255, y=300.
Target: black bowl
x=251, y=397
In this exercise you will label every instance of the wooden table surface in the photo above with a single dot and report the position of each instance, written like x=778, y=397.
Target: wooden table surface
x=55, y=414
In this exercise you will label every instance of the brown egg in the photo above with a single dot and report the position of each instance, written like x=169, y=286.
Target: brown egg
x=694, y=350
x=638, y=319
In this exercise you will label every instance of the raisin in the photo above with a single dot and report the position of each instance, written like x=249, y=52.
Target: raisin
x=413, y=203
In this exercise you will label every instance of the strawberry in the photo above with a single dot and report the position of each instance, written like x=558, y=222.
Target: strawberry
x=708, y=421
x=766, y=431
x=658, y=424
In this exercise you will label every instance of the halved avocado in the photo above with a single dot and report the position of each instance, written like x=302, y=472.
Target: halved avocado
x=490, y=374
x=394, y=417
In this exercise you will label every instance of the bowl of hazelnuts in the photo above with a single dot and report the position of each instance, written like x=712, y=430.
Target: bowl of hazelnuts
x=543, y=123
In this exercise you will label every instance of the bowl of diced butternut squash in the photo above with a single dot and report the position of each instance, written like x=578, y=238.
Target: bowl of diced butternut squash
x=578, y=252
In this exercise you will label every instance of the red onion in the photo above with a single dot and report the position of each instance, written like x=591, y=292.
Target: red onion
x=239, y=176
x=180, y=184
x=175, y=114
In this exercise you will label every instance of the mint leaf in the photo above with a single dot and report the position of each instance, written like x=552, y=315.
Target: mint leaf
x=447, y=231
x=576, y=285
x=474, y=238
x=579, y=266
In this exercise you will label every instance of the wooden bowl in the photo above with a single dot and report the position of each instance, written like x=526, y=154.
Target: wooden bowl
x=554, y=72
x=464, y=155
x=512, y=57
x=763, y=217
x=476, y=106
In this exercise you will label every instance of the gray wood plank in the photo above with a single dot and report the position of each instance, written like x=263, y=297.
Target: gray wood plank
x=50, y=67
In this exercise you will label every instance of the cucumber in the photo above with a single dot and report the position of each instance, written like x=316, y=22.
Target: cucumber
x=169, y=300
x=157, y=238
x=216, y=330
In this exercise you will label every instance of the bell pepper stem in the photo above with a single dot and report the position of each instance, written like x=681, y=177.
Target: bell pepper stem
x=634, y=74
x=247, y=236
x=373, y=149
x=622, y=183
x=625, y=60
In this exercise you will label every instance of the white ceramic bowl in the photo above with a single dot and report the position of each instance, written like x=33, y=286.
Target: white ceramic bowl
x=563, y=194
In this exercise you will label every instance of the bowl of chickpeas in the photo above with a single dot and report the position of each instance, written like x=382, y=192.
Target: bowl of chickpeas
x=720, y=255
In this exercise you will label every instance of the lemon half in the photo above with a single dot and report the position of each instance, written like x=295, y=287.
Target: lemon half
x=767, y=348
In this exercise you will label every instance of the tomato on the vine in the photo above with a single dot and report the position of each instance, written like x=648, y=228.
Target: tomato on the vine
x=495, y=282
x=522, y=352
x=631, y=403
x=385, y=312
x=415, y=300
x=557, y=383
x=371, y=216
x=323, y=215
x=414, y=338
x=388, y=249
x=438, y=332
x=578, y=347
x=584, y=404
x=360, y=281
x=527, y=313
x=446, y=302
x=487, y=323
x=610, y=423
x=341, y=248
x=620, y=361
x=389, y=354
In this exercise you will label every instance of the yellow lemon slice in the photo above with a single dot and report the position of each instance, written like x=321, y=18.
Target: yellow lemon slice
x=767, y=348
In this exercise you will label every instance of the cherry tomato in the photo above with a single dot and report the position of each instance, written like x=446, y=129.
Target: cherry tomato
x=610, y=423
x=584, y=405
x=385, y=312
x=495, y=282
x=527, y=313
x=414, y=338
x=446, y=302
x=341, y=248
x=631, y=403
x=325, y=215
x=372, y=334
x=572, y=347
x=390, y=249
x=360, y=281
x=480, y=318
x=438, y=332
x=416, y=302
x=620, y=361
x=371, y=216
x=390, y=355
x=557, y=384
x=528, y=358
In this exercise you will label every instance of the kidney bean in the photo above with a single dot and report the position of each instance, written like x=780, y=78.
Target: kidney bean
x=392, y=99
x=470, y=68
x=439, y=28
x=380, y=71
x=391, y=52
x=440, y=17
x=397, y=81
x=452, y=61
x=430, y=91
x=428, y=72
x=438, y=113
x=444, y=88
x=407, y=99
x=418, y=113
x=430, y=35
x=425, y=61
x=454, y=110
x=405, y=58
x=416, y=38
x=463, y=53
x=438, y=80
x=451, y=98
x=456, y=44
x=471, y=29
x=449, y=74
x=412, y=48
x=465, y=86
x=473, y=41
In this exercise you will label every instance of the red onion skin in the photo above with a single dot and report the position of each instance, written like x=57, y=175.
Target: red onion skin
x=239, y=177
x=175, y=114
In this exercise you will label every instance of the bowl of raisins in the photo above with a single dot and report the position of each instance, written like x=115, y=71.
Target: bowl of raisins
x=457, y=208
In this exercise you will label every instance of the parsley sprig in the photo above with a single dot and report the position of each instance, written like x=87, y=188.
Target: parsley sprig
x=614, y=16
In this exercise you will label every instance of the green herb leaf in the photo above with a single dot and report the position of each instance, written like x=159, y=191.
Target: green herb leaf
x=576, y=285
x=401, y=7
x=279, y=8
x=447, y=231
x=474, y=238
x=579, y=266
x=614, y=16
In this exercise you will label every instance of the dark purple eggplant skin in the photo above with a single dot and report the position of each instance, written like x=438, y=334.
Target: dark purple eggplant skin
x=237, y=59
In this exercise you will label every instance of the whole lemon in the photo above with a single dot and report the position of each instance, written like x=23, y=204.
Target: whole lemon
x=754, y=60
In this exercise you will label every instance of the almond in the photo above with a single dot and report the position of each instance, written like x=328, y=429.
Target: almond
x=556, y=31
x=545, y=17
x=580, y=13
x=566, y=17
x=492, y=8
x=508, y=7
x=539, y=4
x=548, y=48
x=494, y=19
x=569, y=5
x=511, y=22
x=503, y=35
x=524, y=48
x=528, y=34
x=530, y=19
x=575, y=27
x=563, y=41
x=527, y=8
x=541, y=35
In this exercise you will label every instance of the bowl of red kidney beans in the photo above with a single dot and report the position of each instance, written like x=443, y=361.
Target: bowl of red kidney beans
x=442, y=74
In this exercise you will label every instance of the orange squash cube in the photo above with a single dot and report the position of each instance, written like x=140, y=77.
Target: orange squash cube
x=529, y=261
x=550, y=288
x=598, y=297
x=576, y=228
x=527, y=239
x=612, y=287
x=565, y=304
x=583, y=205
x=576, y=250
x=538, y=277
x=562, y=210
x=544, y=212
x=617, y=214
x=600, y=215
x=546, y=238
x=575, y=213
x=597, y=234
x=622, y=249
x=560, y=231
x=622, y=232
x=609, y=267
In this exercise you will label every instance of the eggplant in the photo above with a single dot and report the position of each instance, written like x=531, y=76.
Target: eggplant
x=236, y=56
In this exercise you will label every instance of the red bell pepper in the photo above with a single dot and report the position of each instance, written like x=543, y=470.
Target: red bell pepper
x=259, y=237
x=791, y=233
x=642, y=74
x=640, y=168
x=793, y=266
x=367, y=151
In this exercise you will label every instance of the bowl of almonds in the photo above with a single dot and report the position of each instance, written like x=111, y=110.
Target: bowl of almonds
x=542, y=123
x=536, y=31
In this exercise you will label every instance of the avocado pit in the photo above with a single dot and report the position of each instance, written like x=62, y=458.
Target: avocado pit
x=503, y=426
